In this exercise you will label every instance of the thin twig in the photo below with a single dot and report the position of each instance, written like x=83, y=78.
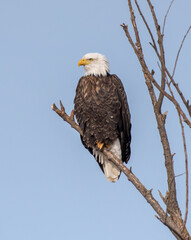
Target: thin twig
x=173, y=100
x=179, y=51
x=65, y=117
x=125, y=28
x=148, y=28
x=186, y=103
x=164, y=22
x=179, y=175
x=154, y=17
x=186, y=167
x=162, y=55
x=138, y=42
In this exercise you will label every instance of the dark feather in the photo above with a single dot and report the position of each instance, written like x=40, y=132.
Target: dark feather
x=102, y=111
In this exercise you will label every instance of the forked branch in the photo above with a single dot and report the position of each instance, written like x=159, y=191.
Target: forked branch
x=147, y=194
x=151, y=82
x=149, y=79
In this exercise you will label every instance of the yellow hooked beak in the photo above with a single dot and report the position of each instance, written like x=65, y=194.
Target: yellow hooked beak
x=83, y=62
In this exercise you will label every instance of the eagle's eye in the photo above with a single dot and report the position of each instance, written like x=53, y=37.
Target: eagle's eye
x=90, y=59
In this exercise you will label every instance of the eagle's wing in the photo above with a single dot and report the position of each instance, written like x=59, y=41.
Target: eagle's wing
x=79, y=104
x=124, y=125
x=79, y=109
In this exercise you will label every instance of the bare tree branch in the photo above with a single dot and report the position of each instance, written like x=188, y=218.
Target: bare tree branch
x=186, y=103
x=146, y=71
x=138, y=42
x=186, y=167
x=162, y=57
x=185, y=154
x=172, y=204
x=179, y=51
x=147, y=194
x=174, y=101
x=125, y=28
x=65, y=117
x=164, y=22
x=153, y=44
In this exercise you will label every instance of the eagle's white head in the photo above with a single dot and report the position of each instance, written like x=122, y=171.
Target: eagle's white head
x=95, y=64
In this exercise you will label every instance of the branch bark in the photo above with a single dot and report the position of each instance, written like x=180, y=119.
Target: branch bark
x=171, y=202
x=149, y=79
x=154, y=45
x=185, y=154
x=147, y=194
x=161, y=56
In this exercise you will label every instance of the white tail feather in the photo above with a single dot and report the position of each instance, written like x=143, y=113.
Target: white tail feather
x=111, y=172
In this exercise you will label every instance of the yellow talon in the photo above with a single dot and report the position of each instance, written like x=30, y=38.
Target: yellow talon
x=107, y=146
x=100, y=145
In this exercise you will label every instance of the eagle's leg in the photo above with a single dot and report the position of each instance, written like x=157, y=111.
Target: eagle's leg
x=99, y=145
x=107, y=146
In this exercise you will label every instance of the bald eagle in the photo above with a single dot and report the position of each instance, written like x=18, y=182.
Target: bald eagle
x=102, y=111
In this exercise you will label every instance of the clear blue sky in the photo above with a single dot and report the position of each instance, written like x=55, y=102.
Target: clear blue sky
x=50, y=186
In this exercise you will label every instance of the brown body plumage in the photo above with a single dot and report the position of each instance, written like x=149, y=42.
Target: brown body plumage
x=102, y=111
